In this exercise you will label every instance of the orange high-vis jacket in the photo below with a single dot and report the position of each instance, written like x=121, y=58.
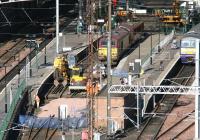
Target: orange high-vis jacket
x=89, y=87
x=97, y=88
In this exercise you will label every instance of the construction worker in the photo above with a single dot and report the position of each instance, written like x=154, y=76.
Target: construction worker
x=96, y=88
x=37, y=101
x=122, y=80
x=125, y=81
x=84, y=135
x=161, y=66
x=89, y=86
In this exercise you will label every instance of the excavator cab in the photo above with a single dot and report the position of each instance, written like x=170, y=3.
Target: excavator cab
x=72, y=76
x=62, y=72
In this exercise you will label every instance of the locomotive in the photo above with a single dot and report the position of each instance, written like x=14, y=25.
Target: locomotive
x=188, y=45
x=123, y=37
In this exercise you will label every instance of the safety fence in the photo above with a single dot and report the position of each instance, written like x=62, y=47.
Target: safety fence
x=14, y=89
x=11, y=108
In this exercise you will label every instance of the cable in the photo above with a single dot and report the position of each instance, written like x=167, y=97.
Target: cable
x=9, y=129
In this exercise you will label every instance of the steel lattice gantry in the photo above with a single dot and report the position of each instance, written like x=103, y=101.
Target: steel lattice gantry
x=153, y=90
x=134, y=89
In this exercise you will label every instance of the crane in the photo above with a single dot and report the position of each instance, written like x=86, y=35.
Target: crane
x=175, y=16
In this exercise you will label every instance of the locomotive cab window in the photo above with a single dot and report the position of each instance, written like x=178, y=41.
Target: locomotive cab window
x=105, y=43
x=113, y=43
x=188, y=43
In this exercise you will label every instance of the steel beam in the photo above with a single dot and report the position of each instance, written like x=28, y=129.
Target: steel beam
x=133, y=89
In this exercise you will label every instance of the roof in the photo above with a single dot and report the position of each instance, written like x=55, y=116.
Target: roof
x=123, y=29
x=119, y=33
x=158, y=3
x=194, y=32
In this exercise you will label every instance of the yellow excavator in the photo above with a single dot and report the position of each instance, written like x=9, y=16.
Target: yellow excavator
x=72, y=77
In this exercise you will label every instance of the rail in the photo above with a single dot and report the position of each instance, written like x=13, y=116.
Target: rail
x=55, y=92
x=176, y=124
x=155, y=123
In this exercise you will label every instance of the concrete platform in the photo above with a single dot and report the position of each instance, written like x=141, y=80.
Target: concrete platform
x=151, y=75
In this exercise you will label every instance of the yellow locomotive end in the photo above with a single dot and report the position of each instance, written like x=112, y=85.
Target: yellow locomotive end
x=102, y=54
x=61, y=73
x=60, y=63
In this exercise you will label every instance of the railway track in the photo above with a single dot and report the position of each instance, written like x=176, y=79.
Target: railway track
x=55, y=92
x=178, y=128
x=10, y=53
x=156, y=121
x=60, y=91
x=41, y=133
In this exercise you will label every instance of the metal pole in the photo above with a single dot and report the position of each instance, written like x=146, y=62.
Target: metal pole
x=99, y=8
x=80, y=9
x=6, y=104
x=45, y=54
x=30, y=69
x=26, y=71
x=11, y=95
x=127, y=6
x=129, y=79
x=57, y=26
x=18, y=71
x=151, y=61
x=37, y=47
x=159, y=37
x=197, y=106
x=109, y=69
x=139, y=49
x=100, y=77
x=138, y=109
x=45, y=49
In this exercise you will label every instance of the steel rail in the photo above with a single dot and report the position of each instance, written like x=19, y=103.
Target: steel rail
x=174, y=125
x=167, y=100
x=176, y=136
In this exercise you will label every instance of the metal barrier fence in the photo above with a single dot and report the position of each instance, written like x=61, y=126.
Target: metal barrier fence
x=13, y=90
x=11, y=108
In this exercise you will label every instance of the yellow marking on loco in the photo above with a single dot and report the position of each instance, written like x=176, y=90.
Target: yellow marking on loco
x=78, y=78
x=114, y=54
x=102, y=53
x=188, y=50
x=60, y=64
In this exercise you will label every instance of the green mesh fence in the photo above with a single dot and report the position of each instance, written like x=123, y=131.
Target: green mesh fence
x=11, y=109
